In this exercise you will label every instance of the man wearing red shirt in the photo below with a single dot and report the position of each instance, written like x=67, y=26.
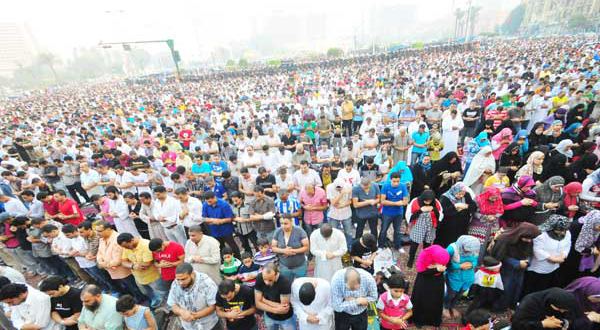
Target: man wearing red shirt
x=186, y=137
x=68, y=210
x=167, y=256
x=50, y=204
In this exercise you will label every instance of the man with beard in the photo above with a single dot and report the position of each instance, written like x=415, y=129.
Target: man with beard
x=99, y=310
x=23, y=300
x=193, y=299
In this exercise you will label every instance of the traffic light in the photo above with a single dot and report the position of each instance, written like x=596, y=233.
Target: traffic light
x=126, y=47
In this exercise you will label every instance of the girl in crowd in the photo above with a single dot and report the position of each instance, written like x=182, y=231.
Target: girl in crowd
x=570, y=204
x=421, y=172
x=587, y=293
x=533, y=168
x=514, y=248
x=548, y=196
x=501, y=141
x=485, y=221
x=537, y=138
x=482, y=167
x=461, y=270
x=428, y=291
x=445, y=173
x=587, y=242
x=423, y=214
x=550, y=308
x=458, y=209
x=559, y=160
x=582, y=167
x=511, y=158
x=519, y=202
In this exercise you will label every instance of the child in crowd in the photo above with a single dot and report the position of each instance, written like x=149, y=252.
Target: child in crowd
x=231, y=265
x=394, y=306
x=136, y=317
x=478, y=320
x=264, y=254
x=248, y=270
x=488, y=285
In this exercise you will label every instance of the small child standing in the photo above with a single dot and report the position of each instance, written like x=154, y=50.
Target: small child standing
x=231, y=265
x=394, y=306
x=248, y=270
x=264, y=254
x=136, y=317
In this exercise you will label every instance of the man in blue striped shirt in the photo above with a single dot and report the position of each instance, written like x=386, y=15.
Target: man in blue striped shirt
x=288, y=205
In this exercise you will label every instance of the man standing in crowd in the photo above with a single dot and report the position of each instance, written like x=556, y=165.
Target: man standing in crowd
x=272, y=295
x=99, y=310
x=203, y=253
x=352, y=290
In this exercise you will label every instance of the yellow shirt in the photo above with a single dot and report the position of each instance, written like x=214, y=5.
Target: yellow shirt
x=494, y=181
x=140, y=254
x=347, y=110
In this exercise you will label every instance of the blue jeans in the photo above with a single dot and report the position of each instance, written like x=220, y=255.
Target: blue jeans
x=293, y=273
x=396, y=220
x=101, y=277
x=151, y=290
x=346, y=226
x=176, y=234
x=310, y=228
x=289, y=324
x=268, y=235
x=127, y=285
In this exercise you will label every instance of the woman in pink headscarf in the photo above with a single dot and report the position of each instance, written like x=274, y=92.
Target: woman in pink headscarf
x=501, y=141
x=428, y=291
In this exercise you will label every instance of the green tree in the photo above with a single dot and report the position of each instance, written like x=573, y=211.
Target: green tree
x=49, y=60
x=230, y=62
x=579, y=22
x=335, y=52
x=243, y=62
x=514, y=20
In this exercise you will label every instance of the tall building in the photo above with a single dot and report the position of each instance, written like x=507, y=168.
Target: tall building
x=552, y=16
x=17, y=47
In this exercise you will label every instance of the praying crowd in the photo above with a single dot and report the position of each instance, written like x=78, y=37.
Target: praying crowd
x=264, y=199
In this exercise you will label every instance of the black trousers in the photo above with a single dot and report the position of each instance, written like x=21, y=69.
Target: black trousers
x=231, y=243
x=247, y=239
x=77, y=188
x=347, y=127
x=345, y=321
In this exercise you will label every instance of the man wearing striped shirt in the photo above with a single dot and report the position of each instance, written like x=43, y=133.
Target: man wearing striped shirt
x=288, y=205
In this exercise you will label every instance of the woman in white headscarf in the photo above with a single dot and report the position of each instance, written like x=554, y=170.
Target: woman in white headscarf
x=482, y=166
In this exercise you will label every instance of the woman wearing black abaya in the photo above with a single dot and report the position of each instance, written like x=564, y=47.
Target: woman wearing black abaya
x=512, y=159
x=587, y=293
x=559, y=159
x=458, y=209
x=428, y=291
x=547, y=309
x=576, y=114
x=421, y=172
x=486, y=126
x=582, y=167
x=514, y=248
x=445, y=173
x=536, y=137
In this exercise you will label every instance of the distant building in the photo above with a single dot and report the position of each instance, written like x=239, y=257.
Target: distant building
x=552, y=16
x=17, y=47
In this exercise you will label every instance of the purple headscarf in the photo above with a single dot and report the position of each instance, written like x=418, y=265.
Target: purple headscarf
x=584, y=287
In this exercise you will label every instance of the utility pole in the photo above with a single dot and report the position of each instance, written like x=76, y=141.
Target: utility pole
x=127, y=46
x=468, y=22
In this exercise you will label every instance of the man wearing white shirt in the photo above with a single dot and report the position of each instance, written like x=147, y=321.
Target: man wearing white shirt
x=35, y=207
x=349, y=174
x=251, y=161
x=305, y=176
x=90, y=180
x=166, y=209
x=107, y=177
x=124, y=180
x=140, y=180
x=13, y=206
x=311, y=303
x=191, y=208
x=119, y=211
x=30, y=308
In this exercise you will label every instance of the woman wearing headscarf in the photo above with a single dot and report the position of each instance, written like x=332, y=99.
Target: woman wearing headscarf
x=486, y=126
x=514, y=248
x=421, y=172
x=570, y=204
x=587, y=293
x=587, y=241
x=423, y=215
x=573, y=132
x=501, y=141
x=523, y=142
x=576, y=114
x=537, y=138
x=548, y=197
x=512, y=159
x=458, y=208
x=558, y=115
x=591, y=188
x=460, y=273
x=548, y=309
x=482, y=167
x=445, y=173
x=473, y=148
x=428, y=291
x=550, y=249
x=555, y=134
x=533, y=168
x=484, y=224
x=559, y=160
x=519, y=202
x=406, y=176
x=582, y=167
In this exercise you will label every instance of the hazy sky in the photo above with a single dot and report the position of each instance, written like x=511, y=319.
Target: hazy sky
x=61, y=25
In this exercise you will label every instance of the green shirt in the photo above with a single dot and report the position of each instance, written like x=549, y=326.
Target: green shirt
x=310, y=130
x=105, y=317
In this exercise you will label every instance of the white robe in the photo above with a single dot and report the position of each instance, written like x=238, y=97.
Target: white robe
x=123, y=222
x=479, y=165
x=450, y=136
x=336, y=243
x=320, y=306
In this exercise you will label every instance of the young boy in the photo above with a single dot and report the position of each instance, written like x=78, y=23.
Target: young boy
x=394, y=306
x=478, y=320
x=230, y=266
x=264, y=254
x=488, y=286
x=248, y=270
x=136, y=317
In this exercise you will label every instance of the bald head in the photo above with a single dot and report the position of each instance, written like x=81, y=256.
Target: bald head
x=352, y=278
x=326, y=230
